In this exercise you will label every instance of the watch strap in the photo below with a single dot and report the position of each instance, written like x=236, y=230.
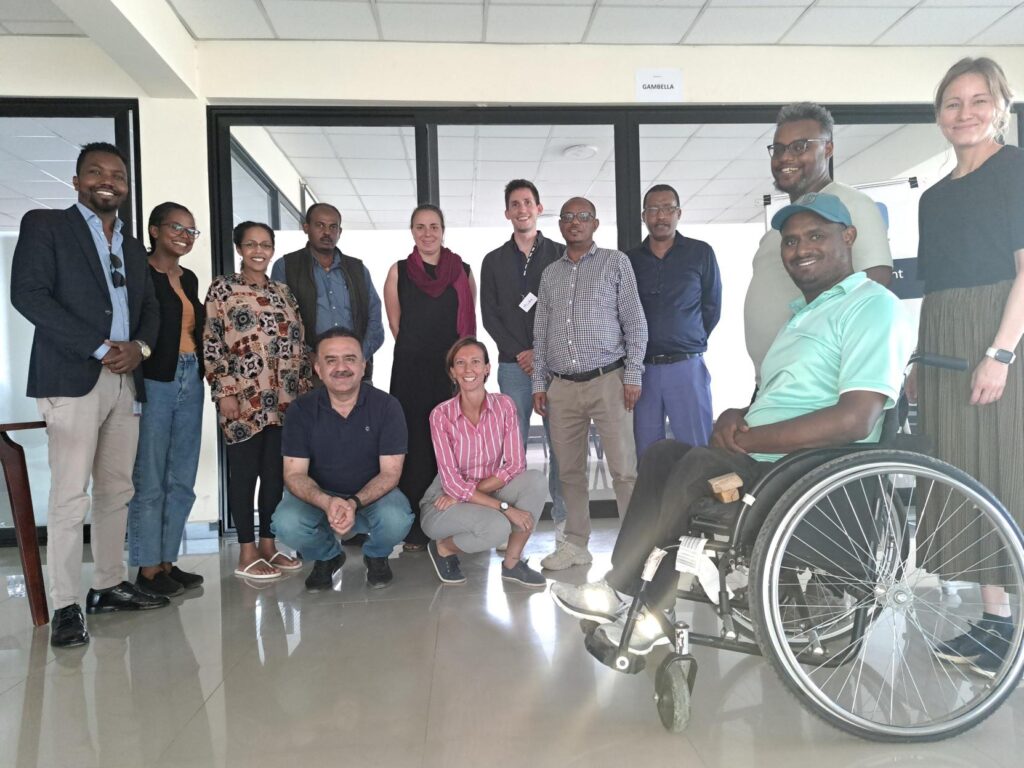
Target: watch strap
x=1001, y=355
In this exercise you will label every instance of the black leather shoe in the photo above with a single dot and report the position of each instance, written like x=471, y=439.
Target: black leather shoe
x=124, y=597
x=68, y=627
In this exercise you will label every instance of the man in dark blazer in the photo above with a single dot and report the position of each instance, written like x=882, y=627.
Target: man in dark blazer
x=85, y=286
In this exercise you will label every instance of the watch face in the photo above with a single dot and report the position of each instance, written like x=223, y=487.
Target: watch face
x=1004, y=356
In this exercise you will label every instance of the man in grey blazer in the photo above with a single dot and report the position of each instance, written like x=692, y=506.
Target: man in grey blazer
x=85, y=286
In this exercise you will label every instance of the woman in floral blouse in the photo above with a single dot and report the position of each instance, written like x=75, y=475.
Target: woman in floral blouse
x=256, y=365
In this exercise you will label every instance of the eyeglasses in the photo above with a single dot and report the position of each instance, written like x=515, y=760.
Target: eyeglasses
x=654, y=210
x=797, y=147
x=582, y=217
x=116, y=276
x=177, y=229
x=252, y=245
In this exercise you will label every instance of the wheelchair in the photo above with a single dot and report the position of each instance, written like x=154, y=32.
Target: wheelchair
x=844, y=552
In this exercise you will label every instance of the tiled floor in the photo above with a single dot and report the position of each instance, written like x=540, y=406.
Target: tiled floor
x=481, y=674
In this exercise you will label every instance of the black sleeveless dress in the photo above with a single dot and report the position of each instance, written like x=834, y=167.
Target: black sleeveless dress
x=427, y=328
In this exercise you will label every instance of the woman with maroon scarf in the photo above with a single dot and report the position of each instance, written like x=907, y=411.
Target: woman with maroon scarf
x=429, y=298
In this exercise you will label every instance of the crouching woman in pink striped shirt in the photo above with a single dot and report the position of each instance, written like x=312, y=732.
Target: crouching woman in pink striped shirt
x=483, y=494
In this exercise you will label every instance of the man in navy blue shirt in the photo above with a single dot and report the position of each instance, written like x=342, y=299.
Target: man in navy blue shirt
x=344, y=445
x=681, y=292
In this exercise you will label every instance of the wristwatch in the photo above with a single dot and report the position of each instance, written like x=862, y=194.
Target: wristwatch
x=1000, y=355
x=146, y=351
x=503, y=506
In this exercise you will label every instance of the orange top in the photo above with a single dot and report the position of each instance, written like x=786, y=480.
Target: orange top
x=187, y=343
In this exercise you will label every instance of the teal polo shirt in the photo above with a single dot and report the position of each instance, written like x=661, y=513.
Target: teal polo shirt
x=854, y=336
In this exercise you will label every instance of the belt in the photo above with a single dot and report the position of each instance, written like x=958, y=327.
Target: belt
x=578, y=377
x=666, y=359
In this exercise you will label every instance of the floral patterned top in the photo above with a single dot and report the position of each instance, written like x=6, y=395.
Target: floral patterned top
x=253, y=348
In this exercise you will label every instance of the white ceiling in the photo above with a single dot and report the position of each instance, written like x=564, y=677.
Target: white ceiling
x=721, y=171
x=691, y=22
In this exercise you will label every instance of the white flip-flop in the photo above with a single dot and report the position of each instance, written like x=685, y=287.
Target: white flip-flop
x=244, y=572
x=295, y=566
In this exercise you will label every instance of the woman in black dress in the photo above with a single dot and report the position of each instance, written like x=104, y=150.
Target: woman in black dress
x=970, y=254
x=429, y=297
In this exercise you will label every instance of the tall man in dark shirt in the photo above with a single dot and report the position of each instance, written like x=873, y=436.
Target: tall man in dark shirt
x=681, y=292
x=333, y=290
x=509, y=286
x=84, y=284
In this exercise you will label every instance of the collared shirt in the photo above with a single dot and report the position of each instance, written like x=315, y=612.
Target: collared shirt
x=502, y=285
x=681, y=294
x=120, y=321
x=854, y=336
x=344, y=451
x=333, y=308
x=588, y=316
x=766, y=307
x=467, y=454
x=253, y=350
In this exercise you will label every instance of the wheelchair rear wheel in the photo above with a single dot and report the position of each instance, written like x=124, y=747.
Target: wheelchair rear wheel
x=885, y=527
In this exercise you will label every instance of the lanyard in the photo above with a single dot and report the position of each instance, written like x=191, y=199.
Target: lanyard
x=523, y=286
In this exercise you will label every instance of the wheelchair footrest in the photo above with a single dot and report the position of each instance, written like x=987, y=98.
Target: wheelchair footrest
x=607, y=653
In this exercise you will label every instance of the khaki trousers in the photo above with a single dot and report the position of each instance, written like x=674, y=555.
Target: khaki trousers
x=571, y=408
x=93, y=437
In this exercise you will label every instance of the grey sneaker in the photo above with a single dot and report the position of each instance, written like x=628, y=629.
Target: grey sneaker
x=446, y=566
x=521, y=573
x=566, y=555
x=647, y=632
x=595, y=601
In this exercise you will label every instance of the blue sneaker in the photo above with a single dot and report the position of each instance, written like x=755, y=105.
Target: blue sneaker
x=446, y=567
x=986, y=639
x=521, y=573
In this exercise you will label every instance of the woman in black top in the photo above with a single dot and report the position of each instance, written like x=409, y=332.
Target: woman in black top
x=172, y=416
x=429, y=298
x=970, y=253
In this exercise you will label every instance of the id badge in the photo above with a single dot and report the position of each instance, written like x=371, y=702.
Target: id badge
x=528, y=301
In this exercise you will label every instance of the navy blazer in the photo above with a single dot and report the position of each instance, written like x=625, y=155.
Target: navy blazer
x=57, y=282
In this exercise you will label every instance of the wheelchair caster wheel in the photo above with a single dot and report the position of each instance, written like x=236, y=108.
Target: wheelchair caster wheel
x=672, y=694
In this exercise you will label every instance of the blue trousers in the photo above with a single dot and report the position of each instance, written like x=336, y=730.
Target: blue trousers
x=517, y=385
x=681, y=391
x=305, y=529
x=165, y=465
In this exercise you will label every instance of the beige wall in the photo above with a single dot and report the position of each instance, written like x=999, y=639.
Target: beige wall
x=173, y=131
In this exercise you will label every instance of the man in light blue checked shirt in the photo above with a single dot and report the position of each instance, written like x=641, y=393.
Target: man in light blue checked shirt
x=589, y=339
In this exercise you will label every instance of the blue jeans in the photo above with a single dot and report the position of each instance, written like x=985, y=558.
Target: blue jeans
x=517, y=385
x=305, y=529
x=165, y=465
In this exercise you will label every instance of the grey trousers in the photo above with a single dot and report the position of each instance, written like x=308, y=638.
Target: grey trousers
x=475, y=528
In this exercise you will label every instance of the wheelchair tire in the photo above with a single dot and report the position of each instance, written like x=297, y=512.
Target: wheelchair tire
x=672, y=693
x=846, y=521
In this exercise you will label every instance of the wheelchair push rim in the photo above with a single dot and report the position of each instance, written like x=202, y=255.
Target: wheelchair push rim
x=846, y=520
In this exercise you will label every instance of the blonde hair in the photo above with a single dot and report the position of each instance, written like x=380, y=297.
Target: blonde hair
x=994, y=77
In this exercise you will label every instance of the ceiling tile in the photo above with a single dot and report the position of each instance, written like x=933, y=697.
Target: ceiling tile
x=456, y=189
x=456, y=130
x=510, y=131
x=730, y=187
x=437, y=22
x=404, y=203
x=1009, y=31
x=744, y=169
x=382, y=187
x=330, y=186
x=455, y=147
x=732, y=130
x=659, y=149
x=877, y=3
x=583, y=131
x=378, y=169
x=224, y=19
x=569, y=170
x=940, y=26
x=654, y=130
x=651, y=3
x=841, y=26
x=315, y=20
x=364, y=146
x=713, y=149
x=318, y=166
x=456, y=169
x=685, y=188
x=971, y=3
x=602, y=148
x=303, y=144
x=49, y=28
x=742, y=26
x=694, y=169
x=537, y=23
x=704, y=202
x=503, y=171
x=30, y=10
x=527, y=150
x=758, y=3
x=33, y=148
x=647, y=26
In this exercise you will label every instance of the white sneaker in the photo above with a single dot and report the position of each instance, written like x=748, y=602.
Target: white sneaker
x=647, y=633
x=566, y=555
x=559, y=533
x=595, y=601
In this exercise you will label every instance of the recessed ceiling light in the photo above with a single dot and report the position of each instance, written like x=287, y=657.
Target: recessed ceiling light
x=579, y=151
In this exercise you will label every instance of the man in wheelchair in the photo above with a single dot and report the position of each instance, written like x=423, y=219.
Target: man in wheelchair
x=827, y=379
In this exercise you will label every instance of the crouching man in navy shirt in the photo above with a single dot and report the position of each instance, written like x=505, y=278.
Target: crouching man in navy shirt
x=343, y=445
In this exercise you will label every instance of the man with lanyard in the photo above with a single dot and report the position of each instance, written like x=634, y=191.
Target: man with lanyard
x=333, y=290
x=681, y=291
x=509, y=284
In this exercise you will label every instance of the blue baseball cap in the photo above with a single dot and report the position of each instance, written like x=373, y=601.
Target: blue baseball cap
x=827, y=206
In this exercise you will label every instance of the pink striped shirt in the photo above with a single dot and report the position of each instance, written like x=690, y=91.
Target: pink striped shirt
x=467, y=454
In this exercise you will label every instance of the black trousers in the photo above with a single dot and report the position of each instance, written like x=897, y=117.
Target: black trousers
x=258, y=458
x=671, y=477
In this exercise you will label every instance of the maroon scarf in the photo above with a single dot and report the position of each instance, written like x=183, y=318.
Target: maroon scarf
x=449, y=271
